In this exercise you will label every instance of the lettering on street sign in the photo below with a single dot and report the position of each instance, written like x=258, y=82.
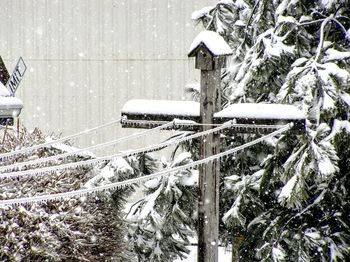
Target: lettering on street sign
x=17, y=76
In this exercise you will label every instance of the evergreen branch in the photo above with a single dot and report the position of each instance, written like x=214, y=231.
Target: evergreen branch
x=322, y=34
x=310, y=23
x=249, y=22
x=343, y=17
x=317, y=12
x=340, y=25
x=320, y=45
x=314, y=203
x=211, y=20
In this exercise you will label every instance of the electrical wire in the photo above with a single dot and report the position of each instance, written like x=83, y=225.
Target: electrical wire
x=38, y=146
x=121, y=184
x=91, y=162
x=164, y=125
x=75, y=152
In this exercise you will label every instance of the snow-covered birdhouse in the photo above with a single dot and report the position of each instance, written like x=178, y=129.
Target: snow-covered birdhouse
x=210, y=51
x=10, y=107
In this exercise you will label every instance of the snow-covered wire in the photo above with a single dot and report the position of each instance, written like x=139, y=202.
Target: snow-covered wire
x=38, y=146
x=10, y=167
x=75, y=152
x=117, y=185
x=179, y=122
x=91, y=162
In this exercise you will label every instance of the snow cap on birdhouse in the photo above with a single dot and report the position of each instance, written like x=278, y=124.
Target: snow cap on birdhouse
x=210, y=50
x=10, y=108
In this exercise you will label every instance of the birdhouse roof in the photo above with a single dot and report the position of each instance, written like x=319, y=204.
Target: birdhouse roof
x=10, y=106
x=214, y=42
x=10, y=102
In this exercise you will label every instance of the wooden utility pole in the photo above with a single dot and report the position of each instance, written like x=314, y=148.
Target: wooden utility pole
x=209, y=174
x=209, y=50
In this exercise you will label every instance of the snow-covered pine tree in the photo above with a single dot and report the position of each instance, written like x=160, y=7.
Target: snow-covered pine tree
x=85, y=229
x=162, y=223
x=288, y=199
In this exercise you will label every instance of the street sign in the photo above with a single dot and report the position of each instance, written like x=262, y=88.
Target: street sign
x=17, y=76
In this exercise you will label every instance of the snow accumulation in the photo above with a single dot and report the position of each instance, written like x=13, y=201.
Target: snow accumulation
x=240, y=23
x=333, y=54
x=10, y=106
x=10, y=102
x=190, y=180
x=224, y=255
x=191, y=108
x=161, y=107
x=108, y=174
x=201, y=12
x=278, y=254
x=288, y=188
x=69, y=149
x=338, y=126
x=261, y=111
x=299, y=62
x=346, y=98
x=335, y=70
x=213, y=41
x=347, y=36
x=3, y=90
x=282, y=6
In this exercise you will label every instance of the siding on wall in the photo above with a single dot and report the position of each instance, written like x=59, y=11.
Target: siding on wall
x=87, y=58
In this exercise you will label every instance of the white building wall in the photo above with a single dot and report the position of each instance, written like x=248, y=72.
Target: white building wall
x=86, y=58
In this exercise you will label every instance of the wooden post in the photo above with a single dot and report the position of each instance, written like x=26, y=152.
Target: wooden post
x=209, y=174
x=237, y=242
x=210, y=51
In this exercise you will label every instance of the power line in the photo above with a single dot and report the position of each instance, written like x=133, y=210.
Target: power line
x=114, y=186
x=90, y=162
x=32, y=148
x=75, y=152
x=164, y=125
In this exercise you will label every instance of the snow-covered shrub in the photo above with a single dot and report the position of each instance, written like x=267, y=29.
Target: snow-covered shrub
x=76, y=229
